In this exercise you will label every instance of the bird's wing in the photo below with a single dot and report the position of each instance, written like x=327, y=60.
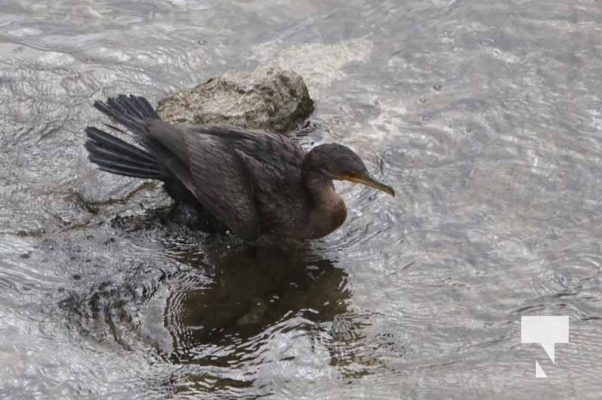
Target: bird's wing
x=274, y=164
x=215, y=175
x=277, y=154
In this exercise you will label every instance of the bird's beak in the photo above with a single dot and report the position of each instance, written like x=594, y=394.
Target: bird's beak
x=369, y=181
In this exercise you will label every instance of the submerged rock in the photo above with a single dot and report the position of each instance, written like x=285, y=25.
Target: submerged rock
x=267, y=98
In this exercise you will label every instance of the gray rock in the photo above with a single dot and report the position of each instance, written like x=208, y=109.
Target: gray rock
x=267, y=98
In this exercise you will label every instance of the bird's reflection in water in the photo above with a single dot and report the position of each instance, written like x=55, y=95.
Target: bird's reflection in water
x=248, y=291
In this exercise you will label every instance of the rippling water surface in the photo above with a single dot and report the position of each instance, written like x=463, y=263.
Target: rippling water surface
x=484, y=115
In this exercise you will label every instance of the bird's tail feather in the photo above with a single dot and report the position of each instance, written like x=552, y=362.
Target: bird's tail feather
x=130, y=111
x=119, y=157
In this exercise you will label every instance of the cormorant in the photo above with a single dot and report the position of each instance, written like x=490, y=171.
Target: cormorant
x=253, y=182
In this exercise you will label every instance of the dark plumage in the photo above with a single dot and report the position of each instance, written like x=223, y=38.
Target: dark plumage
x=251, y=181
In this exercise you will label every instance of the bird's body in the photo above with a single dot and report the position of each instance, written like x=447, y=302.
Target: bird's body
x=261, y=175
x=254, y=182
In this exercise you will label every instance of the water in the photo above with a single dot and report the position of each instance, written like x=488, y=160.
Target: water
x=485, y=117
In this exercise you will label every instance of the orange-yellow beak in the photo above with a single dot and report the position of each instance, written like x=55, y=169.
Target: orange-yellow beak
x=369, y=181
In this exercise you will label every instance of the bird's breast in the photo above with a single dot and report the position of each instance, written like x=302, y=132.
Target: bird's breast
x=327, y=219
x=339, y=214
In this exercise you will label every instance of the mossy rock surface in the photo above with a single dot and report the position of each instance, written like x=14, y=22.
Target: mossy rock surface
x=267, y=98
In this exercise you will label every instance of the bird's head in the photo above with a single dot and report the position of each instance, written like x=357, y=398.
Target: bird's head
x=338, y=162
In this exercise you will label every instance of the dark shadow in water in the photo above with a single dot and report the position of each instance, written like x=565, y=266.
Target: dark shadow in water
x=249, y=290
x=221, y=315
x=233, y=298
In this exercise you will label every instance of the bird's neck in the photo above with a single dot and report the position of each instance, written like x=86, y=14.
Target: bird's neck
x=327, y=208
x=317, y=186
